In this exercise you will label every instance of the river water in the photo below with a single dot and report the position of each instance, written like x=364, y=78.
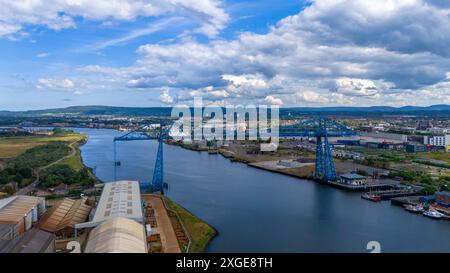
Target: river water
x=259, y=211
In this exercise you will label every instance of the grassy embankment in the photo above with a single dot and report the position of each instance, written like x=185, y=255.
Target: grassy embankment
x=15, y=146
x=25, y=156
x=201, y=233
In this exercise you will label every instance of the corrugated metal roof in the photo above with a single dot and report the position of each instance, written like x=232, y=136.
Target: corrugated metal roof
x=117, y=235
x=33, y=241
x=353, y=176
x=15, y=208
x=66, y=212
x=119, y=199
x=6, y=231
x=443, y=193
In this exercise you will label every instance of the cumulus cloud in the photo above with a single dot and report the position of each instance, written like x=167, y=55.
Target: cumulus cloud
x=273, y=100
x=348, y=52
x=61, y=14
x=57, y=84
x=359, y=87
x=311, y=96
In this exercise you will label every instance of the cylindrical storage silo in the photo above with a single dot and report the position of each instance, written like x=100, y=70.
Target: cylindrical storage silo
x=35, y=214
x=28, y=220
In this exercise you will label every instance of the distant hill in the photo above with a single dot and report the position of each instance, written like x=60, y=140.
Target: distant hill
x=166, y=111
x=440, y=107
x=91, y=111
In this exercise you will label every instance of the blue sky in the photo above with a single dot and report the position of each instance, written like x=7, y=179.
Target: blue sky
x=165, y=52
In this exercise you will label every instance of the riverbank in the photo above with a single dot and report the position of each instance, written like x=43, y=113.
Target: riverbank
x=199, y=232
x=42, y=162
x=264, y=211
x=304, y=172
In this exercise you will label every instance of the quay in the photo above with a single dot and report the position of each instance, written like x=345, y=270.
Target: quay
x=406, y=200
x=389, y=194
x=361, y=188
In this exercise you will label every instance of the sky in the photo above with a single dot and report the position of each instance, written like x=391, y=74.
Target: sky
x=144, y=53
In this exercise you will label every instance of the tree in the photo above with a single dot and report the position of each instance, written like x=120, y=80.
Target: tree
x=26, y=172
x=429, y=189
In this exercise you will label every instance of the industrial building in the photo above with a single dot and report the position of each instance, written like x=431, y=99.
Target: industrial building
x=440, y=141
x=443, y=199
x=119, y=199
x=62, y=216
x=19, y=213
x=117, y=235
x=353, y=179
x=32, y=241
x=415, y=148
x=384, y=137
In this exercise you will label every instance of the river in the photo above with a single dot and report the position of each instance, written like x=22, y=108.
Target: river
x=258, y=211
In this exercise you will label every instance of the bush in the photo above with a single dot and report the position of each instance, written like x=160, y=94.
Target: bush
x=57, y=174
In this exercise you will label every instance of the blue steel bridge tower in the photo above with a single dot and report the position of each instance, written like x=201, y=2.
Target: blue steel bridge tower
x=157, y=184
x=158, y=173
x=320, y=128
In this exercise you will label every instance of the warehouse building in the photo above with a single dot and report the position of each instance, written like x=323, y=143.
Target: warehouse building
x=117, y=235
x=415, y=148
x=32, y=241
x=62, y=216
x=19, y=213
x=443, y=199
x=118, y=199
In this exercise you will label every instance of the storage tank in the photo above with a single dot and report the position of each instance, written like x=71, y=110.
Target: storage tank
x=28, y=220
x=34, y=213
x=42, y=207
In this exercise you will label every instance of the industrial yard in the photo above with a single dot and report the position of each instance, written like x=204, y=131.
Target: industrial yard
x=119, y=220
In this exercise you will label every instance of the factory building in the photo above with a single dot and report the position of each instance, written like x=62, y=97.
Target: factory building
x=19, y=213
x=415, y=148
x=32, y=241
x=443, y=199
x=119, y=199
x=118, y=222
x=440, y=141
x=117, y=235
x=61, y=217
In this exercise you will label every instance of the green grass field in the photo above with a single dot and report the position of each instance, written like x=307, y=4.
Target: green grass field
x=74, y=162
x=15, y=146
x=437, y=156
x=201, y=233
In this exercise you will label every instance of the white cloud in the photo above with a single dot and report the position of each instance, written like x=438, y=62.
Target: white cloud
x=273, y=100
x=356, y=87
x=250, y=81
x=42, y=55
x=341, y=52
x=61, y=14
x=311, y=96
x=155, y=27
x=56, y=84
